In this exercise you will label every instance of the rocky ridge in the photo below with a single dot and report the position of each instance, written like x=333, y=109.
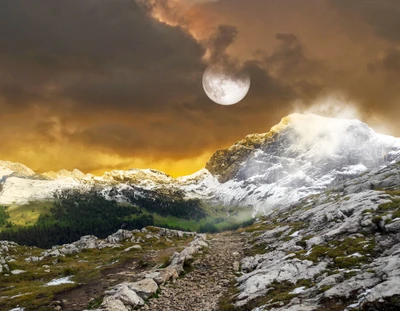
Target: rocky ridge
x=128, y=295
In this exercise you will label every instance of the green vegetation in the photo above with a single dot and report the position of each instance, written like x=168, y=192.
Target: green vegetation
x=340, y=252
x=172, y=204
x=87, y=268
x=4, y=216
x=257, y=248
x=218, y=219
x=28, y=214
x=75, y=214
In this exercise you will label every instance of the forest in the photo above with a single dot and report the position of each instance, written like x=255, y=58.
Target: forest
x=171, y=204
x=75, y=214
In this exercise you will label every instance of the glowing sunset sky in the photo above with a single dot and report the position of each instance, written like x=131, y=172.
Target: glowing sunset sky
x=114, y=84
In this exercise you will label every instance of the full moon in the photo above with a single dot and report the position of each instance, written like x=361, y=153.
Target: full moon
x=225, y=88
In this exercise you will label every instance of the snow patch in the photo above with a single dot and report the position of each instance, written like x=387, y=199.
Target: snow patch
x=55, y=282
x=298, y=290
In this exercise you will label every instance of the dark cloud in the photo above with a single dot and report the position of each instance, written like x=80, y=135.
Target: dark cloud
x=92, y=52
x=86, y=81
x=219, y=42
x=290, y=62
x=382, y=15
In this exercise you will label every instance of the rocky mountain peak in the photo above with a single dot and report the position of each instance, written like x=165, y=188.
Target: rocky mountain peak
x=307, y=138
x=16, y=169
x=75, y=173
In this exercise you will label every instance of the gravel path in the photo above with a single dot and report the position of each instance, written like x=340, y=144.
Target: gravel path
x=201, y=289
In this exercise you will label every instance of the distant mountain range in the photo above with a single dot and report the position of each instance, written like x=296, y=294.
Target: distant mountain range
x=302, y=155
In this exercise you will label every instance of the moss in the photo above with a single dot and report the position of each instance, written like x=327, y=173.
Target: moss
x=305, y=282
x=325, y=288
x=303, y=242
x=395, y=204
x=395, y=192
x=287, y=238
x=349, y=275
x=258, y=248
x=339, y=251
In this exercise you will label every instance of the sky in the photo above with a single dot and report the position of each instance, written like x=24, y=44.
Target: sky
x=116, y=84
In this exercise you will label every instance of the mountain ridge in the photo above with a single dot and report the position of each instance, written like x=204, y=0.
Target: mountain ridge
x=302, y=155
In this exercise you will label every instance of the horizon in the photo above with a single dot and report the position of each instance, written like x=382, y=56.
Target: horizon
x=207, y=157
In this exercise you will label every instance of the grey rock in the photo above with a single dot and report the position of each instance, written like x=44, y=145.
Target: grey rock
x=144, y=288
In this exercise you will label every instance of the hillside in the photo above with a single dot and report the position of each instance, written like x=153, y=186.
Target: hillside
x=338, y=250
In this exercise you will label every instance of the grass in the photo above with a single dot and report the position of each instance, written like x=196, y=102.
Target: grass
x=83, y=268
x=258, y=248
x=25, y=215
x=339, y=251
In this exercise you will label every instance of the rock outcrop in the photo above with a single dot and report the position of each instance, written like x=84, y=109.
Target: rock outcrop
x=341, y=245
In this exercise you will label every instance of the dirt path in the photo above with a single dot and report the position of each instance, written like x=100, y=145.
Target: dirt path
x=201, y=289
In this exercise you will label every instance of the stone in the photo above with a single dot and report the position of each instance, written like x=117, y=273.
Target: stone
x=144, y=288
x=134, y=247
x=393, y=226
x=113, y=304
x=330, y=280
x=123, y=293
x=344, y=289
x=17, y=271
x=385, y=289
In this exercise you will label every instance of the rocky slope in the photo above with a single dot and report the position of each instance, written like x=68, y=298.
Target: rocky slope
x=302, y=155
x=334, y=251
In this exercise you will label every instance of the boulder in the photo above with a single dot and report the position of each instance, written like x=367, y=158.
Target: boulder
x=112, y=304
x=144, y=288
x=394, y=226
x=124, y=293
x=119, y=236
x=87, y=242
x=164, y=275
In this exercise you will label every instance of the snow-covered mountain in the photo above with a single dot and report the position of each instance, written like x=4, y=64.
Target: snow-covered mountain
x=302, y=155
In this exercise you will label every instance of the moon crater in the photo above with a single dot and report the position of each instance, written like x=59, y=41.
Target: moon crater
x=225, y=88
